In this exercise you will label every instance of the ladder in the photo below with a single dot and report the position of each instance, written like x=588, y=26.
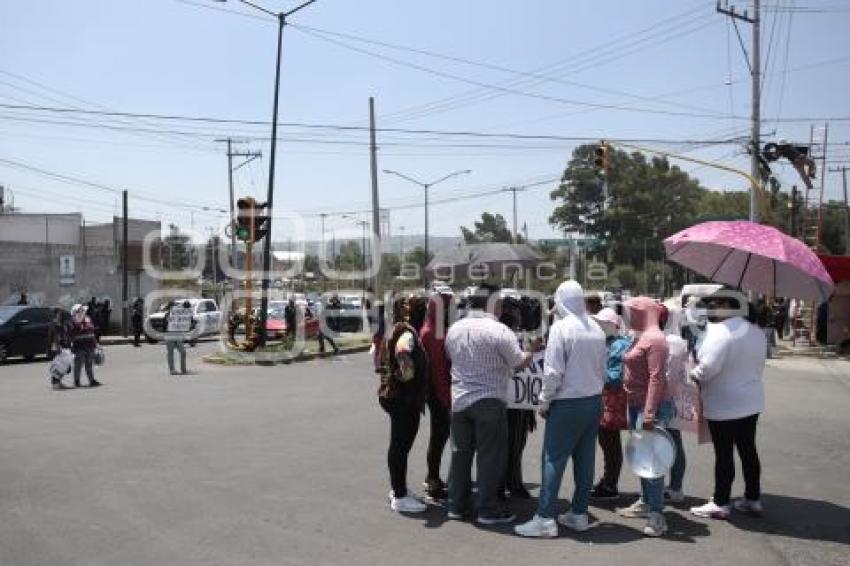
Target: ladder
x=812, y=216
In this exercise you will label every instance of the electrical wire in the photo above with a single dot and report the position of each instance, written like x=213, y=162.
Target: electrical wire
x=447, y=133
x=512, y=91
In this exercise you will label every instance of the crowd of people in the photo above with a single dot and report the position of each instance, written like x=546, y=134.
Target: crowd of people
x=606, y=368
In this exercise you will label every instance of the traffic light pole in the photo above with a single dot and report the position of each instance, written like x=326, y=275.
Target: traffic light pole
x=281, y=23
x=267, y=241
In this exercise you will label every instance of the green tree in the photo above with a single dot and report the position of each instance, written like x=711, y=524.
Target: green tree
x=417, y=256
x=832, y=235
x=350, y=257
x=491, y=228
x=648, y=199
x=623, y=277
x=177, y=250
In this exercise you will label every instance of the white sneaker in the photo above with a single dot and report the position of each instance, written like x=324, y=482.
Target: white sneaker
x=575, y=522
x=711, y=510
x=746, y=506
x=674, y=495
x=655, y=526
x=538, y=527
x=637, y=510
x=406, y=504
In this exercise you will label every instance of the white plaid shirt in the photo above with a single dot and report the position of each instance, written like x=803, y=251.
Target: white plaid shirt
x=484, y=353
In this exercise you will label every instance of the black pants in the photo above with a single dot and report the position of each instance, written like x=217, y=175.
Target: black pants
x=440, y=429
x=740, y=433
x=322, y=337
x=518, y=427
x=404, y=424
x=612, y=457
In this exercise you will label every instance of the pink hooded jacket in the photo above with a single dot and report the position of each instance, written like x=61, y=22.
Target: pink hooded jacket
x=646, y=361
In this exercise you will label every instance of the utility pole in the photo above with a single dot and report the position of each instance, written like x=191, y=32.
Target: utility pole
x=401, y=243
x=516, y=225
x=249, y=157
x=755, y=73
x=124, y=281
x=377, y=254
x=843, y=171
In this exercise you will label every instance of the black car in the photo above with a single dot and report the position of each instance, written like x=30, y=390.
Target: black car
x=24, y=331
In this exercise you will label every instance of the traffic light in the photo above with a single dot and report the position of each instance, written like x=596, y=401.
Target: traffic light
x=251, y=226
x=600, y=161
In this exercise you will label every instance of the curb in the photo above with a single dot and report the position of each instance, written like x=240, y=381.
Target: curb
x=122, y=341
x=300, y=358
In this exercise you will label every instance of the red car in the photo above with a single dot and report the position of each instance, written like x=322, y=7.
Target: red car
x=276, y=322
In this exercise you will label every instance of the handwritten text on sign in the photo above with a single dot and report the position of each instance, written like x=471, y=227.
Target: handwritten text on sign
x=524, y=389
x=179, y=319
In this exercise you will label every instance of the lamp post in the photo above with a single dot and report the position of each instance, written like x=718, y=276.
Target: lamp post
x=281, y=23
x=363, y=224
x=427, y=186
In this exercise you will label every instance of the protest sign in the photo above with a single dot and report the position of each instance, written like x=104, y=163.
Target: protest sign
x=524, y=388
x=179, y=319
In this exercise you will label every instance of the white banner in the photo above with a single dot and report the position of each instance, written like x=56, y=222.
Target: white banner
x=524, y=389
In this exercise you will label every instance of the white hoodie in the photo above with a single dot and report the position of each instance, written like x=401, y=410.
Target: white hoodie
x=576, y=354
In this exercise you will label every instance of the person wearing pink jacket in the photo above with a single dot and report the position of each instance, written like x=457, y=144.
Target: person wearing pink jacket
x=645, y=381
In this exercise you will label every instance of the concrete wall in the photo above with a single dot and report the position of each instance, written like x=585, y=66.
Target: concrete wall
x=40, y=228
x=34, y=267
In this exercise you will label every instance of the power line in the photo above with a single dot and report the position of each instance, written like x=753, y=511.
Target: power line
x=90, y=184
x=478, y=95
x=336, y=127
x=532, y=75
x=508, y=90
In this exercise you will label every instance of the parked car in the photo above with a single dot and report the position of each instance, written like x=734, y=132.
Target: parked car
x=206, y=318
x=276, y=320
x=24, y=331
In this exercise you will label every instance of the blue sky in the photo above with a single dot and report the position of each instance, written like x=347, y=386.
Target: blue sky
x=671, y=59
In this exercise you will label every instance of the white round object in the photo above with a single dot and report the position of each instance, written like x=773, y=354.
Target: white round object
x=650, y=453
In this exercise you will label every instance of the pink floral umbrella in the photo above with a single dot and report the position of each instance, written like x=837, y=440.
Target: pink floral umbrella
x=751, y=257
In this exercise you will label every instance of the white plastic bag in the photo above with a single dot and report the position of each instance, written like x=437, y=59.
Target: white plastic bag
x=61, y=364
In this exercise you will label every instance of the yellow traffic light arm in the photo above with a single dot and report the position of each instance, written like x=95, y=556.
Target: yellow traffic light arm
x=755, y=185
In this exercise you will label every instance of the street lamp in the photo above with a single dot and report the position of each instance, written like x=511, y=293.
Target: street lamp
x=267, y=241
x=427, y=186
x=363, y=224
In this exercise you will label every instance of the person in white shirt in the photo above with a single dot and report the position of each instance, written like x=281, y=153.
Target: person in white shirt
x=571, y=403
x=484, y=354
x=729, y=370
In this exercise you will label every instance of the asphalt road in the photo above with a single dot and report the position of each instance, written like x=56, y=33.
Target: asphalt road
x=286, y=465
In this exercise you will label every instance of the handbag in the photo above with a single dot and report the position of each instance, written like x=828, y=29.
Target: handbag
x=99, y=356
x=614, y=409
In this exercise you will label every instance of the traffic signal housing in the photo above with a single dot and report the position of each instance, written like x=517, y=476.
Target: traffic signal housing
x=252, y=225
x=600, y=157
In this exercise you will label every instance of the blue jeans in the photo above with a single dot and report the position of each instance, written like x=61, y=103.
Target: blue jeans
x=178, y=345
x=652, y=491
x=677, y=472
x=571, y=430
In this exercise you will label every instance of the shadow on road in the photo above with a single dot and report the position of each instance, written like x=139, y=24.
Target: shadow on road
x=798, y=518
x=681, y=527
